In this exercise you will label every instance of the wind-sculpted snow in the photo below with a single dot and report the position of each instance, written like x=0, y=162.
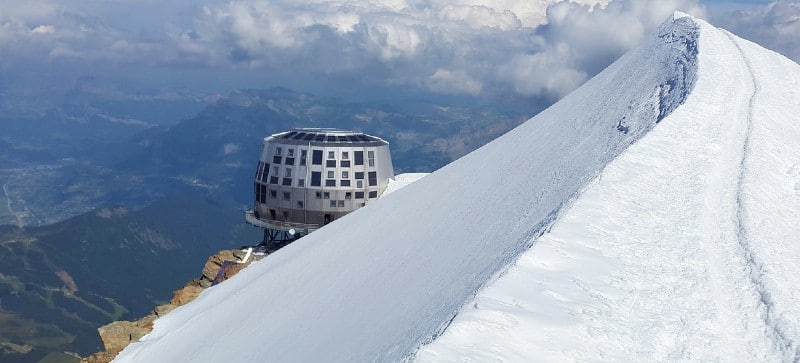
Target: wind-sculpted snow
x=378, y=283
x=686, y=247
x=674, y=91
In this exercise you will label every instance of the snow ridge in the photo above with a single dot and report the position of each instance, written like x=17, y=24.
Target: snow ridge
x=684, y=250
x=774, y=329
x=673, y=92
x=378, y=283
x=681, y=37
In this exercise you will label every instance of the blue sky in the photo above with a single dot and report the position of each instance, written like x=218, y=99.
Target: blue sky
x=487, y=49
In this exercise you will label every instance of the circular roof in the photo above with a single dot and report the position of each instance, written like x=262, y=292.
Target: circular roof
x=320, y=136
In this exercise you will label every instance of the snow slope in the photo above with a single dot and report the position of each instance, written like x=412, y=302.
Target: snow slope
x=686, y=248
x=377, y=284
x=401, y=181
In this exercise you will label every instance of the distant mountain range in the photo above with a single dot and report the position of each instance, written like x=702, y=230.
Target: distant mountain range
x=60, y=282
x=72, y=160
x=120, y=206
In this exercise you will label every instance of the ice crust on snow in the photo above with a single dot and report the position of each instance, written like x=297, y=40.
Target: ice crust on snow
x=686, y=247
x=679, y=251
x=401, y=181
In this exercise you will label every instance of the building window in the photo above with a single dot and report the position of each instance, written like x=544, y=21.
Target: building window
x=300, y=204
x=273, y=193
x=348, y=195
x=289, y=161
x=344, y=182
x=287, y=182
x=359, y=156
x=276, y=159
x=285, y=214
x=359, y=184
x=265, y=175
x=326, y=195
x=319, y=195
x=316, y=178
x=330, y=182
x=261, y=193
x=359, y=175
x=278, y=151
x=276, y=170
x=359, y=195
x=341, y=203
x=373, y=178
x=331, y=155
x=345, y=163
x=373, y=194
x=259, y=170
x=330, y=163
x=287, y=195
x=262, y=174
x=330, y=174
x=316, y=157
x=345, y=174
x=273, y=180
x=303, y=156
x=290, y=153
x=371, y=158
x=301, y=183
x=288, y=173
x=333, y=203
x=345, y=155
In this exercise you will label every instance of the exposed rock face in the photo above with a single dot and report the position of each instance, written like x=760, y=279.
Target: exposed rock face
x=117, y=335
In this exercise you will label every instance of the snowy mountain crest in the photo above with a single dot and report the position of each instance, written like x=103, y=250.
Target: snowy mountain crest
x=380, y=282
x=678, y=38
x=681, y=251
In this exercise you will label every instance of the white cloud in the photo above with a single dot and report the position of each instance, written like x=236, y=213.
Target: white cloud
x=545, y=72
x=453, y=82
x=775, y=25
x=480, y=16
x=43, y=29
x=544, y=48
x=487, y=48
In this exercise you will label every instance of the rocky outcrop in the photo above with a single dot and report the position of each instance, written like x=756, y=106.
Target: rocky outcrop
x=117, y=335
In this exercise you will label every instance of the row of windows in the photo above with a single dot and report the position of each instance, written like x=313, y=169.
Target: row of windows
x=263, y=193
x=348, y=195
x=263, y=175
x=316, y=158
x=330, y=181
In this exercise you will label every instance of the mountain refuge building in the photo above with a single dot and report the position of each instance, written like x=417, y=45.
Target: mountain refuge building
x=309, y=177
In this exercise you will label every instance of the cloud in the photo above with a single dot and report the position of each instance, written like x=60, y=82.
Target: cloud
x=485, y=48
x=458, y=47
x=43, y=29
x=446, y=81
x=775, y=25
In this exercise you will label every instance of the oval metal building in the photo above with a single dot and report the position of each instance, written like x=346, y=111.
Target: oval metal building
x=307, y=178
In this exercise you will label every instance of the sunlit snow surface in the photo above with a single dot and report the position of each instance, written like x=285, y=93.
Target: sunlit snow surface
x=401, y=181
x=686, y=248
x=651, y=263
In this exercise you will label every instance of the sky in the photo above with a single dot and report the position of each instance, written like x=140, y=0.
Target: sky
x=495, y=50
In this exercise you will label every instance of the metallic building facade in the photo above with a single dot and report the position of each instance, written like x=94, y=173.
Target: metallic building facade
x=307, y=178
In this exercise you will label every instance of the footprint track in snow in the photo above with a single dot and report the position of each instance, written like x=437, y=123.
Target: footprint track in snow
x=794, y=173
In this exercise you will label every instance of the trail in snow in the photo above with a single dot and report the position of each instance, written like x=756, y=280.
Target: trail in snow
x=657, y=261
x=755, y=269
